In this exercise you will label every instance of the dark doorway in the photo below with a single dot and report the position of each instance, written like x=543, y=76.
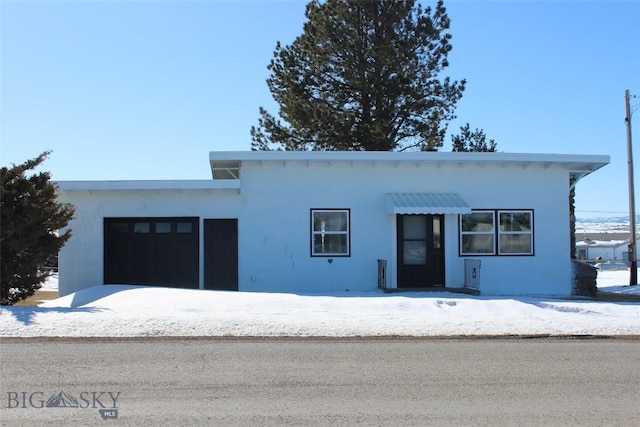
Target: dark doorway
x=221, y=254
x=420, y=251
x=152, y=251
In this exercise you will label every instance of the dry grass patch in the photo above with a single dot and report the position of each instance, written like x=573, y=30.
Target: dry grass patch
x=35, y=299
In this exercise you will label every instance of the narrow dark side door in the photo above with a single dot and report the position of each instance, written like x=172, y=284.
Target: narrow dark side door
x=221, y=254
x=420, y=258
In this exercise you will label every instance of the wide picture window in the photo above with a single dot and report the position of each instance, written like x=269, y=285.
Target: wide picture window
x=497, y=232
x=330, y=232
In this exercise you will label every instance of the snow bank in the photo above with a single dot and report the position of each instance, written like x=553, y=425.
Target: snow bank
x=137, y=311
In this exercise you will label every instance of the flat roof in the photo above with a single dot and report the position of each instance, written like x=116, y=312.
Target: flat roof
x=207, y=184
x=227, y=165
x=579, y=165
x=409, y=156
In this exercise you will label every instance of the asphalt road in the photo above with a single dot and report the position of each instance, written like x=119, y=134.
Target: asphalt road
x=301, y=382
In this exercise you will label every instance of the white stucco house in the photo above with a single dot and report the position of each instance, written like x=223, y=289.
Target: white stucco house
x=605, y=250
x=594, y=249
x=320, y=222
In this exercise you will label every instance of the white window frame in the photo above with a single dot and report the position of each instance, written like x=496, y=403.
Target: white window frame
x=491, y=233
x=497, y=233
x=321, y=232
x=516, y=233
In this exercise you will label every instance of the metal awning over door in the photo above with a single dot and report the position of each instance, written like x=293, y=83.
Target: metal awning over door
x=425, y=203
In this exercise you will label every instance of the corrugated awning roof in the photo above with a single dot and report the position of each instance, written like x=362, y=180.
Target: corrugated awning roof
x=425, y=203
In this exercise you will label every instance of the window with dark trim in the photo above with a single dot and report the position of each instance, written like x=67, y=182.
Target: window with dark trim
x=515, y=234
x=330, y=232
x=497, y=232
x=119, y=227
x=163, y=227
x=477, y=233
x=141, y=227
x=184, y=227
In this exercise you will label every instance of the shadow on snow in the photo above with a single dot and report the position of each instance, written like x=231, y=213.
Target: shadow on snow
x=26, y=315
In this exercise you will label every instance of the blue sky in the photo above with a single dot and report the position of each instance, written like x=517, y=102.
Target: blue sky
x=145, y=89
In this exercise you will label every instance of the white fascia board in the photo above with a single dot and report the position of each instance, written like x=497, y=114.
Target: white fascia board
x=572, y=162
x=147, y=185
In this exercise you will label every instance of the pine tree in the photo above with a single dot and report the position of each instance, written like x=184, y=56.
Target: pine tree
x=472, y=141
x=30, y=222
x=364, y=75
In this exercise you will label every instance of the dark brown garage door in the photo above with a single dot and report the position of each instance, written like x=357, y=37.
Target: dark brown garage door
x=152, y=251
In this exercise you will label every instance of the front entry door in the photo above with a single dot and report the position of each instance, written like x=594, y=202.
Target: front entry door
x=420, y=251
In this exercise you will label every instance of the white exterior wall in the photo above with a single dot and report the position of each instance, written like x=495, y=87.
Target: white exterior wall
x=273, y=211
x=606, y=251
x=275, y=225
x=82, y=257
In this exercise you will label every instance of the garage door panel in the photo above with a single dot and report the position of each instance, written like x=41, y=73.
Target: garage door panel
x=152, y=251
x=165, y=246
x=141, y=249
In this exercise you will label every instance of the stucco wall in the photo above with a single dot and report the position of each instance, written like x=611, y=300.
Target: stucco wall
x=275, y=224
x=82, y=258
x=606, y=253
x=273, y=211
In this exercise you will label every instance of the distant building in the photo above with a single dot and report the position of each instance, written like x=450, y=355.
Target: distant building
x=602, y=250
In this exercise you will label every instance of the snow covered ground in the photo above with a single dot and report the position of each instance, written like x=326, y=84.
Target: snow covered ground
x=51, y=284
x=137, y=311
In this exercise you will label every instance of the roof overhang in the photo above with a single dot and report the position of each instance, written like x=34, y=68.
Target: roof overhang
x=582, y=167
x=425, y=203
x=225, y=168
x=578, y=165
